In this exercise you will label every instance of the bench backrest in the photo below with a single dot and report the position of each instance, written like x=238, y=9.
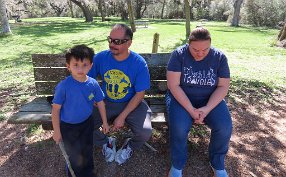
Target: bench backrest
x=49, y=69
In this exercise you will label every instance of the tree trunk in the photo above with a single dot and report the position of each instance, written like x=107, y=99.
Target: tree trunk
x=101, y=9
x=163, y=8
x=71, y=8
x=282, y=34
x=235, y=18
x=139, y=5
x=188, y=17
x=131, y=15
x=4, y=19
x=86, y=11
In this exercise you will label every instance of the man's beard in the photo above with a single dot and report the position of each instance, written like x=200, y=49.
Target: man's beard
x=114, y=51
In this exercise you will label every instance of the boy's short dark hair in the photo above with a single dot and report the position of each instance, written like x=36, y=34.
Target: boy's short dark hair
x=199, y=34
x=80, y=52
x=128, y=31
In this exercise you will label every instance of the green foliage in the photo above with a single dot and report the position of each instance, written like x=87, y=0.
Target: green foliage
x=2, y=116
x=198, y=131
x=34, y=129
x=264, y=12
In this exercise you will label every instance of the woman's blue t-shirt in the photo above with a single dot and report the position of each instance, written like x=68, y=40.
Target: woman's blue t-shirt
x=199, y=79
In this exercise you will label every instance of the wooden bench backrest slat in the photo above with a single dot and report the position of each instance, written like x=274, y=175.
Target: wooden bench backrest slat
x=47, y=88
x=58, y=60
x=49, y=69
x=48, y=60
x=58, y=74
x=50, y=74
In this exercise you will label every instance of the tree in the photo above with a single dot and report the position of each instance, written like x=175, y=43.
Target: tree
x=235, y=18
x=58, y=6
x=86, y=11
x=282, y=33
x=131, y=16
x=4, y=19
x=101, y=9
x=163, y=8
x=71, y=8
x=188, y=17
x=139, y=5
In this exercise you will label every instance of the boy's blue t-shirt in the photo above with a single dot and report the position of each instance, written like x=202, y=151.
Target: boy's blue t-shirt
x=199, y=78
x=121, y=79
x=77, y=99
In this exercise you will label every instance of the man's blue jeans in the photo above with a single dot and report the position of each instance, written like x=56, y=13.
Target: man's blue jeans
x=180, y=122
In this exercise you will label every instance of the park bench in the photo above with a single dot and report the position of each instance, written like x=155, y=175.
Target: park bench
x=144, y=23
x=17, y=18
x=49, y=69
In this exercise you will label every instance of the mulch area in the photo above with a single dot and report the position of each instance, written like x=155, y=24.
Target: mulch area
x=257, y=148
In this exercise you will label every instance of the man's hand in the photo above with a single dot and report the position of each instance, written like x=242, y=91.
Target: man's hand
x=118, y=123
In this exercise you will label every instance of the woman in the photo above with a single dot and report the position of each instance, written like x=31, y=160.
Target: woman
x=198, y=79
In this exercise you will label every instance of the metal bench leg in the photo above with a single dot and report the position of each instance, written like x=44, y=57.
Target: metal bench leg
x=150, y=147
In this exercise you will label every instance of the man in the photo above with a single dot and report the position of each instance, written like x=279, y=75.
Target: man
x=198, y=78
x=125, y=78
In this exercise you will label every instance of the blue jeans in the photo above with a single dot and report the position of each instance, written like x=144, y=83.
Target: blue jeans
x=180, y=122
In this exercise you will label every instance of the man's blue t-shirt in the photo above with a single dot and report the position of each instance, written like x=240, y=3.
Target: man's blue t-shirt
x=120, y=79
x=77, y=99
x=199, y=78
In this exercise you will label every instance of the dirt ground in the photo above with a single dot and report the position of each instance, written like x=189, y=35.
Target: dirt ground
x=257, y=147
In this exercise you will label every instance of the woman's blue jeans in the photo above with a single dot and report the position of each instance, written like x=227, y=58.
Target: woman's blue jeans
x=180, y=122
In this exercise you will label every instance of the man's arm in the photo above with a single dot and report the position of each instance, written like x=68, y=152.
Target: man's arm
x=133, y=103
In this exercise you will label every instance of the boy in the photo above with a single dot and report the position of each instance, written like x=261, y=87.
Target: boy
x=72, y=107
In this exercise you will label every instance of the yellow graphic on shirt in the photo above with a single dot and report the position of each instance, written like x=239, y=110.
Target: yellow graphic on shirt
x=117, y=84
x=91, y=96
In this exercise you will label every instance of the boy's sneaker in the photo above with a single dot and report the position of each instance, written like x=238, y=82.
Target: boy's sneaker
x=109, y=149
x=124, y=153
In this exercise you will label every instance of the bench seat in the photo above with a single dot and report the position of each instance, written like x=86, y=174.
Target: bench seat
x=144, y=23
x=39, y=111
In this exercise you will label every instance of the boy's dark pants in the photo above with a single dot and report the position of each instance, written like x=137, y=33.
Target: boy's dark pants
x=78, y=142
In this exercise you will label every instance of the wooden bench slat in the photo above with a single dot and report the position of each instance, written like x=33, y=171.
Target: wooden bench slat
x=50, y=74
x=158, y=73
x=48, y=60
x=58, y=60
x=30, y=118
x=38, y=111
x=47, y=88
x=58, y=74
x=158, y=108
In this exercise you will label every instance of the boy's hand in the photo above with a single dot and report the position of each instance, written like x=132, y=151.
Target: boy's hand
x=57, y=136
x=105, y=128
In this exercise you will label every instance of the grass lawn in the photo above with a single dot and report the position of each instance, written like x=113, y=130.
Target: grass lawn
x=256, y=64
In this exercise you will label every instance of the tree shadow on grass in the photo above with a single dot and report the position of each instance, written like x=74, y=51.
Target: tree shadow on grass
x=45, y=29
x=170, y=48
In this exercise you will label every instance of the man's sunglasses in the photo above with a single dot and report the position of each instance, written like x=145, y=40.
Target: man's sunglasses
x=116, y=41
